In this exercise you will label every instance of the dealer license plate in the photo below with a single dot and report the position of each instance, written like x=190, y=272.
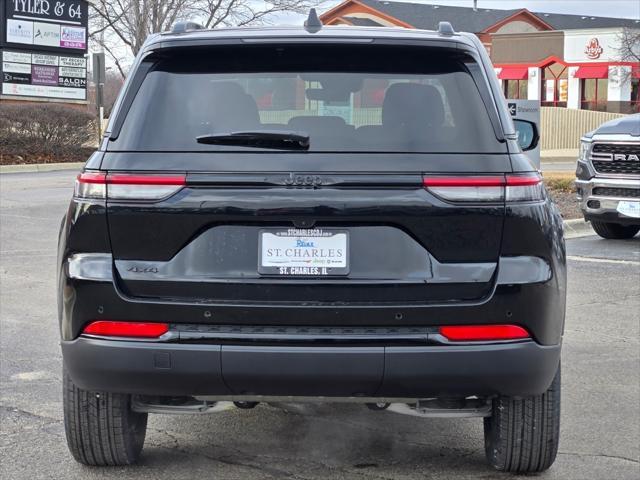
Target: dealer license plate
x=303, y=252
x=630, y=209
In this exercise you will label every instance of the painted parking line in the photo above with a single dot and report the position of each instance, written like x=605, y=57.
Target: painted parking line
x=602, y=260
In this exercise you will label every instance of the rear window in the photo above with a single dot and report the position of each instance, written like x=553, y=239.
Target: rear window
x=348, y=99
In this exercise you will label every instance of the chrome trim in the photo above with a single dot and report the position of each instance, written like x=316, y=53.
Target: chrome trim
x=91, y=266
x=608, y=204
x=614, y=138
x=436, y=273
x=609, y=140
x=519, y=270
x=165, y=337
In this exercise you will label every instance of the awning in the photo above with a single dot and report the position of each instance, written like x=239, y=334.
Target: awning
x=514, y=73
x=596, y=71
x=635, y=72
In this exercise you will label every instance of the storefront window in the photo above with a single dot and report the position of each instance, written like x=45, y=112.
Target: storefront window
x=594, y=94
x=554, y=85
x=516, y=89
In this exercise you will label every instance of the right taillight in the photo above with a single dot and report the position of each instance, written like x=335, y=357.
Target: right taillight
x=524, y=188
x=487, y=188
x=124, y=186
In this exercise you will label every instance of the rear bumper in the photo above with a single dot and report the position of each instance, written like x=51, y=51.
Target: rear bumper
x=528, y=291
x=155, y=368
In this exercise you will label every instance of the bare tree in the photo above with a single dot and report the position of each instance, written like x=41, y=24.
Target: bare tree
x=112, y=84
x=118, y=23
x=629, y=49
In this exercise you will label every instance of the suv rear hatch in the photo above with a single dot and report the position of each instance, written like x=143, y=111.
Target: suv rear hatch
x=397, y=197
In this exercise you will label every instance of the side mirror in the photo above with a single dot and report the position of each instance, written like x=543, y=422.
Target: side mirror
x=527, y=134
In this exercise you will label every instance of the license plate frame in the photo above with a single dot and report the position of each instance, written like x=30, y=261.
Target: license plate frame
x=295, y=266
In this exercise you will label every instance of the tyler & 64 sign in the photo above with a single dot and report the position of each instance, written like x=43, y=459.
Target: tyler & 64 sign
x=59, y=25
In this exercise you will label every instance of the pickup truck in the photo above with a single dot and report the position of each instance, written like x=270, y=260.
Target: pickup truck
x=608, y=177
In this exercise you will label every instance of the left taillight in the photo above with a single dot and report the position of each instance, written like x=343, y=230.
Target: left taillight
x=112, y=328
x=487, y=188
x=91, y=185
x=122, y=186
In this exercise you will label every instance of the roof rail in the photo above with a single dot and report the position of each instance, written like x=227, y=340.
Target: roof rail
x=182, y=27
x=445, y=29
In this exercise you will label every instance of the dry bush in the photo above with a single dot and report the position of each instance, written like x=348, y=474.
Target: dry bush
x=49, y=131
x=560, y=181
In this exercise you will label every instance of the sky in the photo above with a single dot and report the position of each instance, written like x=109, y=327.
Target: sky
x=599, y=8
x=604, y=8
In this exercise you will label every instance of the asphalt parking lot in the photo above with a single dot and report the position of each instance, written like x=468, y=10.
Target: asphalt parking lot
x=601, y=384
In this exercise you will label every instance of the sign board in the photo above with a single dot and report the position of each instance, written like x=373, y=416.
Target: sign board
x=58, y=26
x=42, y=75
x=527, y=110
x=585, y=46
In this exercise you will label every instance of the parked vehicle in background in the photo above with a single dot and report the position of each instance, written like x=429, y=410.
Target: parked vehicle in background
x=608, y=177
x=277, y=214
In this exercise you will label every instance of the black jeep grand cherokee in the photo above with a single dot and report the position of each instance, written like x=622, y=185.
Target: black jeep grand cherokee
x=319, y=214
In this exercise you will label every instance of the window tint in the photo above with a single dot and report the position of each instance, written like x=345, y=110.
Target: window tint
x=438, y=110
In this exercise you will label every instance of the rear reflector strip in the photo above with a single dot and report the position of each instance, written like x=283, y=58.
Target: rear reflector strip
x=121, y=186
x=487, y=188
x=475, y=333
x=109, y=328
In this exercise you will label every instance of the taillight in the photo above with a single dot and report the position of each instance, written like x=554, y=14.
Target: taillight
x=524, y=188
x=122, y=186
x=487, y=188
x=91, y=185
x=475, y=333
x=110, y=328
x=467, y=189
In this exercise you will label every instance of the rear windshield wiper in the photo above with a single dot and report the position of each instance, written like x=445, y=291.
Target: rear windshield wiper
x=277, y=139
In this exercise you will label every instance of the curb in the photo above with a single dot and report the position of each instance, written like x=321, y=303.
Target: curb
x=40, y=167
x=577, y=227
x=552, y=160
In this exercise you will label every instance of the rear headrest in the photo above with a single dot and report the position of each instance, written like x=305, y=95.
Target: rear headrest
x=412, y=104
x=231, y=108
x=319, y=125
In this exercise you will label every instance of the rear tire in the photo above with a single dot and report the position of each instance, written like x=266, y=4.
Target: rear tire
x=522, y=435
x=101, y=428
x=614, y=230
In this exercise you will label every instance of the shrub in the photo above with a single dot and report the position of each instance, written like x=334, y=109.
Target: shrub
x=47, y=131
x=560, y=181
